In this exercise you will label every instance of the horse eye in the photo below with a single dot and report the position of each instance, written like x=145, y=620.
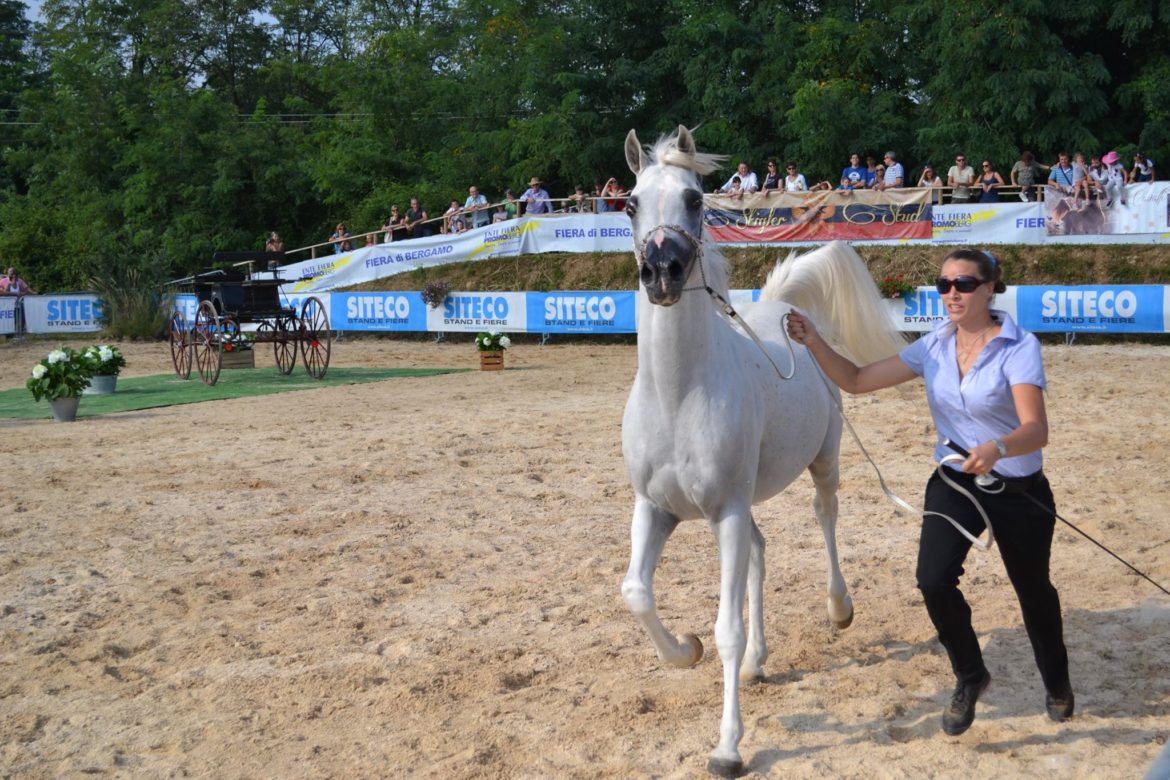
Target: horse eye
x=694, y=200
x=631, y=207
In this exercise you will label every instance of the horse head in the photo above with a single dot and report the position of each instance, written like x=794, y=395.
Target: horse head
x=666, y=211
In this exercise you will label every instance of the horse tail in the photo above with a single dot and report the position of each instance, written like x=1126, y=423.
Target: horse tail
x=832, y=285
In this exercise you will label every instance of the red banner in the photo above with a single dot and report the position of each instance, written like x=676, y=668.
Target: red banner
x=826, y=215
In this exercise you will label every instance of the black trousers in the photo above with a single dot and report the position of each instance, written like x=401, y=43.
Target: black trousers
x=1023, y=534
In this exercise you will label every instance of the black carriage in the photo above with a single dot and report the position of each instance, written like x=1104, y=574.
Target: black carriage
x=228, y=299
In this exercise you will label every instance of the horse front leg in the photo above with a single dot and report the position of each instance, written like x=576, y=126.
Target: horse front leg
x=757, y=646
x=650, y=529
x=733, y=529
x=826, y=478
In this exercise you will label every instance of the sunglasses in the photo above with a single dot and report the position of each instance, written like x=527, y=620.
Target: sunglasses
x=964, y=284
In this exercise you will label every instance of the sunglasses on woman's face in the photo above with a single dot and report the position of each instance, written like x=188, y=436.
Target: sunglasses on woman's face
x=964, y=284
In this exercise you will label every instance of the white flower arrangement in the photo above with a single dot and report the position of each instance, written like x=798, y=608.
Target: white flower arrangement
x=104, y=360
x=63, y=374
x=492, y=341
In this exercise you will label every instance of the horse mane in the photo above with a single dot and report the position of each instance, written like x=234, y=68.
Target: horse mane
x=665, y=151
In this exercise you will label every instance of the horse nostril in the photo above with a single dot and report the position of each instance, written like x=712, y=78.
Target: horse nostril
x=647, y=274
x=675, y=270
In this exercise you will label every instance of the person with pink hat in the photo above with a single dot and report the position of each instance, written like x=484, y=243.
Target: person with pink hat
x=1115, y=177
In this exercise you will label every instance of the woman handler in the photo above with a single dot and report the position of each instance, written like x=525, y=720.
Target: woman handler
x=984, y=383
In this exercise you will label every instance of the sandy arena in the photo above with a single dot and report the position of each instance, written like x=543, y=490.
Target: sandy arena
x=421, y=576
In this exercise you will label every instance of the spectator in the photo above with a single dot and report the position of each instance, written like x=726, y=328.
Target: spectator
x=371, y=238
x=821, y=185
x=14, y=285
x=895, y=174
x=1063, y=176
x=747, y=181
x=274, y=243
x=771, y=179
x=615, y=196
x=598, y=201
x=341, y=240
x=501, y=214
x=395, y=226
x=932, y=181
x=511, y=205
x=879, y=176
x=960, y=177
x=579, y=202
x=1143, y=169
x=536, y=200
x=1083, y=183
x=477, y=206
x=453, y=220
x=794, y=181
x=1115, y=178
x=989, y=183
x=1097, y=175
x=733, y=188
x=855, y=177
x=415, y=220
x=1024, y=174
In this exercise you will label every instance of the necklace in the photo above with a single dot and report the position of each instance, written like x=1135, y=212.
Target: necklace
x=966, y=352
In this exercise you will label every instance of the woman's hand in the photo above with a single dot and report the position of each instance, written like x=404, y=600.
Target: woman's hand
x=982, y=458
x=800, y=328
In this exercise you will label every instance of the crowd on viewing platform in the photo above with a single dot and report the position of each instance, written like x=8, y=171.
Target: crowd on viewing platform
x=1103, y=178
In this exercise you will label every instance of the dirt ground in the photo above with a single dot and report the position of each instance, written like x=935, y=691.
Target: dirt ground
x=421, y=576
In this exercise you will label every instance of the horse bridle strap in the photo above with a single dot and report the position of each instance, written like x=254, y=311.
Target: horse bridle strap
x=694, y=241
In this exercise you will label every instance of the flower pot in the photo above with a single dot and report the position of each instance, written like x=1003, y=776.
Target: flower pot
x=65, y=409
x=102, y=384
x=238, y=358
x=491, y=361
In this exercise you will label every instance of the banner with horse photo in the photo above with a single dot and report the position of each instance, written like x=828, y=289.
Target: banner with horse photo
x=1136, y=209
x=825, y=215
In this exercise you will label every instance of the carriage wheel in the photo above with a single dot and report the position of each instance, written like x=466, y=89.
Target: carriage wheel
x=282, y=333
x=316, y=338
x=208, y=343
x=230, y=335
x=180, y=339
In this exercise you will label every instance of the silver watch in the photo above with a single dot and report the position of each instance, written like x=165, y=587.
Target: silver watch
x=1000, y=446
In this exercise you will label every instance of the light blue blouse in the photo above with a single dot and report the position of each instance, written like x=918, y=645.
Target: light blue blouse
x=979, y=407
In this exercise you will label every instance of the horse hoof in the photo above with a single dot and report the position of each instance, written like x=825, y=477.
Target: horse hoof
x=843, y=624
x=696, y=649
x=722, y=767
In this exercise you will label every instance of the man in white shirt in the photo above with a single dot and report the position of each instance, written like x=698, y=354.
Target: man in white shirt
x=747, y=181
x=960, y=177
x=895, y=174
x=476, y=206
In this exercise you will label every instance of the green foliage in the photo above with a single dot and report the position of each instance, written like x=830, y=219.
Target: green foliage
x=169, y=130
x=134, y=304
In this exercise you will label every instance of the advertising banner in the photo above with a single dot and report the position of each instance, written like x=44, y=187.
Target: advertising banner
x=988, y=223
x=1144, y=208
x=581, y=312
x=64, y=313
x=475, y=312
x=1099, y=309
x=7, y=314
x=526, y=235
x=826, y=215
x=376, y=311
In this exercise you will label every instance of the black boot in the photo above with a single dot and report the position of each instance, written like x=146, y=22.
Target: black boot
x=960, y=713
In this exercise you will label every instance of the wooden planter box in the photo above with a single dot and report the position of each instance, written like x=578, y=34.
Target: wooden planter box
x=491, y=361
x=242, y=358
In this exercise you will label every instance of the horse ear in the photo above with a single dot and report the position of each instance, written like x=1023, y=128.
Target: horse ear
x=635, y=157
x=685, y=142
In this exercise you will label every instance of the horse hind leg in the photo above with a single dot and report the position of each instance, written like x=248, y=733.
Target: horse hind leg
x=757, y=646
x=650, y=529
x=826, y=477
